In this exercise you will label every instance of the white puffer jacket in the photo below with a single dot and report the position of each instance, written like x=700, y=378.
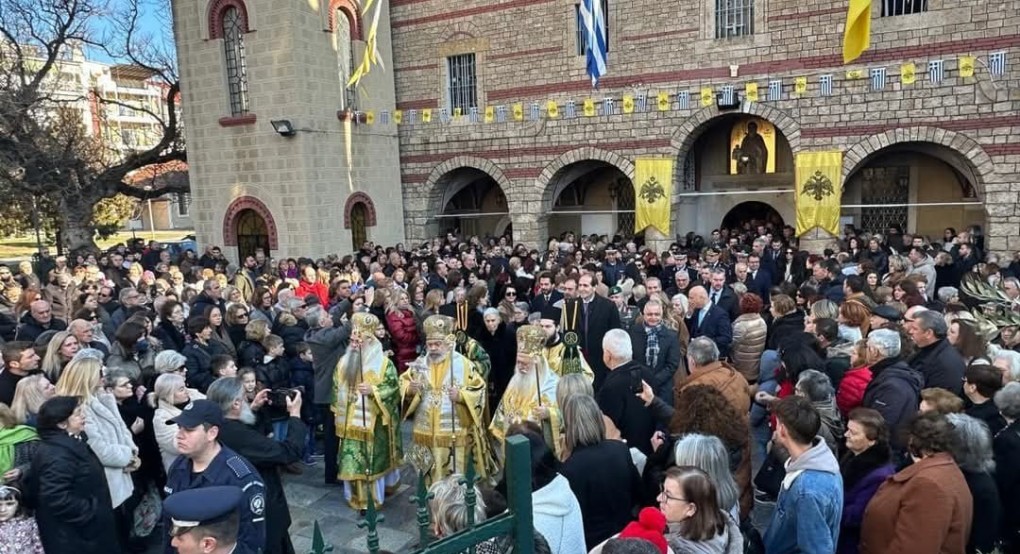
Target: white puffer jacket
x=111, y=441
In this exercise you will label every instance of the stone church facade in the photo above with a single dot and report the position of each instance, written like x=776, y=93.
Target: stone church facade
x=939, y=152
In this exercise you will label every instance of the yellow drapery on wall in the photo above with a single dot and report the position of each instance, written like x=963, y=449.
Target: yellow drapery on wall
x=819, y=190
x=653, y=188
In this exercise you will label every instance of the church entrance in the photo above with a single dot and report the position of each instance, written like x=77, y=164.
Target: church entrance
x=747, y=216
x=252, y=234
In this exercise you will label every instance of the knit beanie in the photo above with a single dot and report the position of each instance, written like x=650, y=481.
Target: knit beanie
x=650, y=526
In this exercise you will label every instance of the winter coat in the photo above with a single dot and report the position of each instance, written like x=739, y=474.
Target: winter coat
x=249, y=354
x=810, y=504
x=404, y=329
x=203, y=302
x=862, y=475
x=67, y=487
x=320, y=290
x=749, y=334
x=667, y=362
x=927, y=507
x=139, y=366
x=607, y=487
x=328, y=345
x=832, y=428
x=984, y=529
x=557, y=516
x=501, y=347
x=166, y=433
x=925, y=268
x=29, y=329
x=895, y=391
x=851, y=389
x=1006, y=447
x=783, y=327
x=730, y=541
x=112, y=442
x=941, y=365
x=171, y=337
x=198, y=360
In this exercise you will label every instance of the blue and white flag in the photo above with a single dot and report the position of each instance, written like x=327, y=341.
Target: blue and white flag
x=775, y=90
x=570, y=109
x=595, y=44
x=825, y=84
x=683, y=99
x=936, y=71
x=877, y=78
x=997, y=64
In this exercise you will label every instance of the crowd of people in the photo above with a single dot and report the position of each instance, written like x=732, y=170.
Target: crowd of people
x=857, y=400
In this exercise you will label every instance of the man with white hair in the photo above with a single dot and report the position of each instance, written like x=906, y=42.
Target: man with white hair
x=618, y=398
x=895, y=388
x=1008, y=362
x=367, y=416
x=447, y=396
x=531, y=394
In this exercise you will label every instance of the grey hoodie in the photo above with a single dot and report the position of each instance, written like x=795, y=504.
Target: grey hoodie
x=730, y=541
x=816, y=458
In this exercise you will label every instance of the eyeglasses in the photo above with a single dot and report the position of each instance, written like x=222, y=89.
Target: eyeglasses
x=667, y=496
x=511, y=293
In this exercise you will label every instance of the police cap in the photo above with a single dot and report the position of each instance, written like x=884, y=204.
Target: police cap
x=198, y=413
x=202, y=506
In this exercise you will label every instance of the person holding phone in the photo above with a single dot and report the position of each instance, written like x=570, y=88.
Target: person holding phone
x=617, y=397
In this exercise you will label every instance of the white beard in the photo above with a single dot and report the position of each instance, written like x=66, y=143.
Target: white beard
x=525, y=384
x=247, y=416
x=352, y=367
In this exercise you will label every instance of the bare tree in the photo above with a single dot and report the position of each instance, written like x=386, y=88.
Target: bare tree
x=46, y=150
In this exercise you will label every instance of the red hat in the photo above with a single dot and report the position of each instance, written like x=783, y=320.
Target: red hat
x=650, y=526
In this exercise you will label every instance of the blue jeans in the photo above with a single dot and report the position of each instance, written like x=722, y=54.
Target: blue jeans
x=761, y=433
x=280, y=430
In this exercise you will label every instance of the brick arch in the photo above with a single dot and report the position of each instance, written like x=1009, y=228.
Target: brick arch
x=461, y=30
x=359, y=197
x=216, y=10
x=248, y=203
x=435, y=185
x=352, y=12
x=547, y=181
x=691, y=129
x=976, y=163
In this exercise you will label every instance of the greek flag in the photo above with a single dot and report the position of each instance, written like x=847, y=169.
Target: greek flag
x=594, y=38
x=642, y=103
x=412, y=116
x=608, y=108
x=384, y=117
x=535, y=112
x=473, y=114
x=727, y=94
x=570, y=109
x=683, y=99
x=501, y=114
x=877, y=78
x=775, y=90
x=825, y=84
x=997, y=64
x=444, y=115
x=936, y=71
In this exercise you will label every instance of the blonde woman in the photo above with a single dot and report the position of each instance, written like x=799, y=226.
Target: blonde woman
x=108, y=436
x=30, y=393
x=61, y=348
x=171, y=396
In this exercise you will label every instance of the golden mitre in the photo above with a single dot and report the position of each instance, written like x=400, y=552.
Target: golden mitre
x=364, y=324
x=439, y=327
x=530, y=339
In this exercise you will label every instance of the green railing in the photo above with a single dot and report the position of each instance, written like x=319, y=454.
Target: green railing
x=515, y=523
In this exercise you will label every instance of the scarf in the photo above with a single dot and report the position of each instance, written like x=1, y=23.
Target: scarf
x=652, y=347
x=857, y=467
x=9, y=438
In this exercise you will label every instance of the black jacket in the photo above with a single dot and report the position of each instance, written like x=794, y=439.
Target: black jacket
x=67, y=488
x=501, y=347
x=895, y=391
x=602, y=317
x=30, y=329
x=668, y=360
x=328, y=345
x=1006, y=447
x=988, y=413
x=268, y=456
x=716, y=326
x=203, y=302
x=941, y=365
x=619, y=403
x=784, y=326
x=984, y=531
x=607, y=487
x=170, y=336
x=250, y=354
x=539, y=302
x=198, y=360
x=727, y=300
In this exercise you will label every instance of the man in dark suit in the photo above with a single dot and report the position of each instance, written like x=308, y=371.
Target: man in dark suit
x=618, y=399
x=547, y=294
x=774, y=260
x=759, y=279
x=437, y=279
x=722, y=296
x=709, y=320
x=595, y=317
x=659, y=347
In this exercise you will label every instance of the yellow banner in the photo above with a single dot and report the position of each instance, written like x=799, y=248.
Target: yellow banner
x=456, y=113
x=653, y=186
x=552, y=109
x=857, y=32
x=908, y=73
x=751, y=92
x=966, y=66
x=628, y=104
x=800, y=85
x=819, y=190
x=490, y=114
x=518, y=110
x=398, y=117
x=369, y=118
x=707, y=97
x=589, y=107
x=663, y=101
x=426, y=115
x=853, y=74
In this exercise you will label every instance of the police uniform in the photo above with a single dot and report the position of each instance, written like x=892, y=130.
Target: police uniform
x=194, y=508
x=226, y=469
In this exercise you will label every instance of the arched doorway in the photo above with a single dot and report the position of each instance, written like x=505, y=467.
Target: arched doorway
x=747, y=216
x=920, y=187
x=591, y=197
x=359, y=225
x=252, y=233
x=472, y=203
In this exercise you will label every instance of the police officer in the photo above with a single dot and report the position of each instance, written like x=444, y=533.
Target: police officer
x=205, y=521
x=204, y=462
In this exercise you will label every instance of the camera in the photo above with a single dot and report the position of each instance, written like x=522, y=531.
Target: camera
x=278, y=397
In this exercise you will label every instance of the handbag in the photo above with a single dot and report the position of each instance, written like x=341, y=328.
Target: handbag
x=147, y=513
x=753, y=543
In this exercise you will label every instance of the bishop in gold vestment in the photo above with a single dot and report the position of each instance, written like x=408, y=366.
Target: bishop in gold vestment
x=446, y=395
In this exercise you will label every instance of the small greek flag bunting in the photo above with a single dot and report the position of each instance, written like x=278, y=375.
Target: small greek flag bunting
x=997, y=64
x=596, y=46
x=775, y=91
x=398, y=116
x=877, y=78
x=727, y=94
x=412, y=116
x=570, y=109
x=384, y=117
x=608, y=107
x=936, y=71
x=473, y=114
x=501, y=114
x=683, y=99
x=444, y=115
x=825, y=83
x=642, y=103
x=534, y=112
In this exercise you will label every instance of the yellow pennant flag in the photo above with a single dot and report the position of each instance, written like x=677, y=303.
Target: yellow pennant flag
x=518, y=110
x=857, y=33
x=371, y=55
x=398, y=117
x=653, y=189
x=456, y=113
x=800, y=85
x=908, y=73
x=751, y=92
x=663, y=101
x=552, y=109
x=490, y=114
x=819, y=190
x=628, y=104
x=426, y=115
x=707, y=97
x=589, y=107
x=853, y=74
x=966, y=66
x=369, y=118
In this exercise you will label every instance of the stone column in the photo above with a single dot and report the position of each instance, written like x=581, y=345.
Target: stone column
x=657, y=241
x=817, y=240
x=530, y=223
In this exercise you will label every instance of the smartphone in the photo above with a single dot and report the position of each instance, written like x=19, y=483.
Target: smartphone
x=635, y=381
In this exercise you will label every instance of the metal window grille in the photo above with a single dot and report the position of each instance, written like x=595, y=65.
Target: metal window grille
x=344, y=58
x=903, y=7
x=237, y=68
x=581, y=50
x=461, y=73
x=734, y=18
x=887, y=189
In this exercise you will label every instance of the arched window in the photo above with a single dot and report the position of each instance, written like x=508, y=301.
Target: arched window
x=237, y=68
x=344, y=56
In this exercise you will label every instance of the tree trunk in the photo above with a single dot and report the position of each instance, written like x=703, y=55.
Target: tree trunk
x=76, y=224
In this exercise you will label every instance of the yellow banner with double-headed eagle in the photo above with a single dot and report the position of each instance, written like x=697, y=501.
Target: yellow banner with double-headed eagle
x=819, y=190
x=653, y=186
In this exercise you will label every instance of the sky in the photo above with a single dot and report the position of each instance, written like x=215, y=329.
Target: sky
x=153, y=22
